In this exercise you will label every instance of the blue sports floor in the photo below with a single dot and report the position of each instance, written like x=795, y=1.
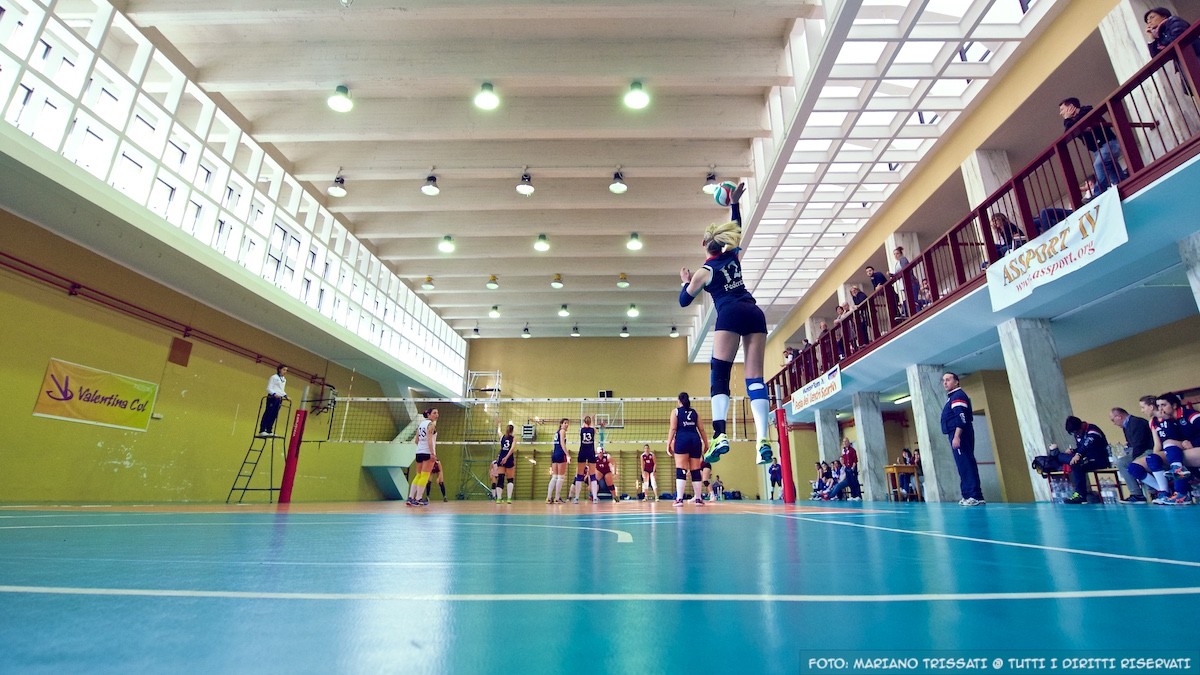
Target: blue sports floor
x=737, y=587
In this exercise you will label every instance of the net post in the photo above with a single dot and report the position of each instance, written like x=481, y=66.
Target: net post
x=293, y=458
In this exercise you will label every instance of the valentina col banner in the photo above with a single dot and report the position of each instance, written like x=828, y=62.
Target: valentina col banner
x=818, y=390
x=1084, y=236
x=80, y=394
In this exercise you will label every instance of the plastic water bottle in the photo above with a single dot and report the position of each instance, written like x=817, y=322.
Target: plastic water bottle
x=1108, y=494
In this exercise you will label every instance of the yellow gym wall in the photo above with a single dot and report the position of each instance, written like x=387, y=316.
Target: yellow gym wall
x=631, y=368
x=209, y=408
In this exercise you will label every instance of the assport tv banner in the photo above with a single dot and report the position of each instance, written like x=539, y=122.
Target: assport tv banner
x=1087, y=235
x=818, y=390
x=77, y=393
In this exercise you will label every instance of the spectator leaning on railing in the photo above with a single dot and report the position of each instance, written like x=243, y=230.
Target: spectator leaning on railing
x=1100, y=141
x=1163, y=28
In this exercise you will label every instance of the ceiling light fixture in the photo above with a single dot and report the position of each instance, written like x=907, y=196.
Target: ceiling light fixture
x=903, y=399
x=556, y=282
x=492, y=283
x=575, y=331
x=674, y=332
x=494, y=312
x=525, y=333
x=632, y=312
x=427, y=285
x=430, y=187
x=525, y=187
x=618, y=186
x=710, y=183
x=475, y=333
x=446, y=245
x=542, y=244
x=634, y=243
x=624, y=331
x=487, y=99
x=622, y=281
x=338, y=188
x=340, y=100
x=636, y=97
x=563, y=311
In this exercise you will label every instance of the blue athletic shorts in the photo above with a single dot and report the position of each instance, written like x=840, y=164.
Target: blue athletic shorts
x=512, y=460
x=586, y=455
x=689, y=445
x=743, y=318
x=558, y=457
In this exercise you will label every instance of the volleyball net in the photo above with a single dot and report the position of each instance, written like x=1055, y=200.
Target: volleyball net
x=472, y=428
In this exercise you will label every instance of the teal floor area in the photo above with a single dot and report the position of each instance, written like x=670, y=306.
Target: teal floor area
x=472, y=588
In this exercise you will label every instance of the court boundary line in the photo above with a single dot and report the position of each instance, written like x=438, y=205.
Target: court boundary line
x=599, y=597
x=980, y=540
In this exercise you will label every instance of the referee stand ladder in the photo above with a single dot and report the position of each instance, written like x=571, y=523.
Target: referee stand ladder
x=259, y=444
x=480, y=433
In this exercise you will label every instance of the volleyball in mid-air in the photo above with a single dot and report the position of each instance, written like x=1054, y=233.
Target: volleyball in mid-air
x=724, y=193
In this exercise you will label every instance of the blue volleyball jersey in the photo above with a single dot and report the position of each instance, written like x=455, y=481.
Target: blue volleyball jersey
x=1189, y=424
x=1168, y=431
x=505, y=445
x=587, y=439
x=558, y=442
x=685, y=422
x=1091, y=442
x=725, y=283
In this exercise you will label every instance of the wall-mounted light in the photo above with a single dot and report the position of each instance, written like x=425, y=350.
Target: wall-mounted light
x=542, y=244
x=430, y=187
x=556, y=282
x=446, y=245
x=624, y=331
x=494, y=312
x=634, y=243
x=622, y=281
x=563, y=311
x=340, y=100
x=338, y=187
x=427, y=285
x=636, y=97
x=487, y=99
x=492, y=283
x=525, y=187
x=674, y=332
x=632, y=312
x=618, y=186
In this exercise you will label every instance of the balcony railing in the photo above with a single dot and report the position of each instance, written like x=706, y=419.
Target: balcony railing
x=1155, y=120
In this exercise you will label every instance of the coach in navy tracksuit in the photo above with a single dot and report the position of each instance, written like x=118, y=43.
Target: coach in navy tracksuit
x=959, y=426
x=1090, y=453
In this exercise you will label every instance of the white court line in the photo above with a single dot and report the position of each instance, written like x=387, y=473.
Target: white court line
x=623, y=537
x=998, y=542
x=600, y=597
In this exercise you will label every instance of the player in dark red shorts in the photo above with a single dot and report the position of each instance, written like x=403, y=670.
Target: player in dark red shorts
x=605, y=471
x=649, y=484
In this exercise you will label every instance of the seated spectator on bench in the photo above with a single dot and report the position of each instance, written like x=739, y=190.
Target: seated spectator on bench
x=924, y=295
x=1090, y=453
x=1178, y=427
x=1138, y=442
x=905, y=459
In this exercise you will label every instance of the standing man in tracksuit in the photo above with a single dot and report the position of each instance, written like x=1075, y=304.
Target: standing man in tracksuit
x=959, y=426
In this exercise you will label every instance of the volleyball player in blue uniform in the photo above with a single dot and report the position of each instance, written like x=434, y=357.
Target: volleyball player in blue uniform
x=558, y=463
x=739, y=321
x=585, y=461
x=686, y=444
x=507, y=462
x=1175, y=426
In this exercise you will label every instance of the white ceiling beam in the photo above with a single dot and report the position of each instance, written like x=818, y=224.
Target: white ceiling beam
x=945, y=32
x=637, y=265
x=541, y=119
x=912, y=71
x=377, y=227
x=274, y=12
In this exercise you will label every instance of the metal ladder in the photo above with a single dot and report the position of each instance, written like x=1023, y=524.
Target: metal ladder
x=258, y=445
x=479, y=434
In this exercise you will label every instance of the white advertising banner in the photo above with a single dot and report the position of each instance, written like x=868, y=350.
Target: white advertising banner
x=818, y=390
x=1084, y=236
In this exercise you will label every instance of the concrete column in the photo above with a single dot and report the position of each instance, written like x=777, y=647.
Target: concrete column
x=872, y=445
x=928, y=398
x=984, y=171
x=811, y=329
x=1124, y=34
x=1189, y=250
x=908, y=240
x=829, y=437
x=1038, y=389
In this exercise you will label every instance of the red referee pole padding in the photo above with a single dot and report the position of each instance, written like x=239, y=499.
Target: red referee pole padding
x=785, y=456
x=293, y=458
